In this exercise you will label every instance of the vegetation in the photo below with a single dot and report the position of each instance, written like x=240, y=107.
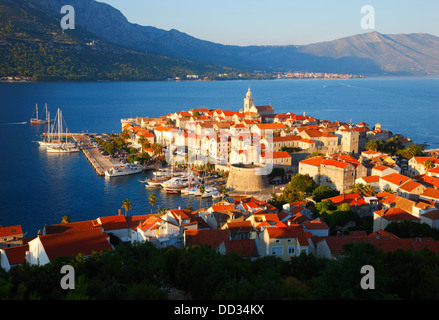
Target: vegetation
x=394, y=146
x=324, y=192
x=144, y=272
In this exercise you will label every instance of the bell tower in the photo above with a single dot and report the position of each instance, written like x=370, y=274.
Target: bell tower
x=249, y=102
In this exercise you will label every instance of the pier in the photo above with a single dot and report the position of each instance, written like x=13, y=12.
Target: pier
x=97, y=160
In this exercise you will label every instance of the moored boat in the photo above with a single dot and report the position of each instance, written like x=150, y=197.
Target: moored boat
x=124, y=170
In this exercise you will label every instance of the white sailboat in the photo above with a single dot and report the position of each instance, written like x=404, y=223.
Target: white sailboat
x=57, y=137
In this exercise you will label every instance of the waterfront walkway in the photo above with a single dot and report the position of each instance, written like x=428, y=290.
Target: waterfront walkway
x=100, y=162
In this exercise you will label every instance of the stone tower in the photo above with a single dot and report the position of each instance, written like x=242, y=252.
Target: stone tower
x=249, y=102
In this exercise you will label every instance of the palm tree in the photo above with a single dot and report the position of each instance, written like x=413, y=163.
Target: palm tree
x=223, y=191
x=126, y=205
x=152, y=200
x=162, y=210
x=428, y=164
x=65, y=219
x=202, y=190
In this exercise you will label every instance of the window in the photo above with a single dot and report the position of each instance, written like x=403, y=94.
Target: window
x=291, y=250
x=277, y=251
x=277, y=241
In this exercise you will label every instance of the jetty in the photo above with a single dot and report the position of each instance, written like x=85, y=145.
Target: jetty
x=94, y=156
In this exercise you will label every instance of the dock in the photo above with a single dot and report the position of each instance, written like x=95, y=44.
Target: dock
x=94, y=156
x=99, y=162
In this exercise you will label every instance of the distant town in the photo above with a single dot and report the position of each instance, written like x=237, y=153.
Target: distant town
x=329, y=183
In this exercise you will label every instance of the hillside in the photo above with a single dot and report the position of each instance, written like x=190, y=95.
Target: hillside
x=369, y=53
x=32, y=44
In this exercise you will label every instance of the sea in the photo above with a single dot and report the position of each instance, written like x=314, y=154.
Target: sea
x=38, y=189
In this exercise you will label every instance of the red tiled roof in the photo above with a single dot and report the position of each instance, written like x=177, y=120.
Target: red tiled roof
x=431, y=193
x=112, y=222
x=316, y=161
x=315, y=224
x=16, y=254
x=397, y=214
x=243, y=248
x=288, y=232
x=211, y=238
x=11, y=231
x=395, y=178
x=335, y=163
x=70, y=243
x=354, y=199
x=70, y=227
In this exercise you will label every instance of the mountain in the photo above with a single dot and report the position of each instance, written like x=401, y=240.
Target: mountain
x=33, y=45
x=127, y=50
x=369, y=53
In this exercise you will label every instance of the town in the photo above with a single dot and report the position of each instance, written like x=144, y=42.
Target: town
x=328, y=184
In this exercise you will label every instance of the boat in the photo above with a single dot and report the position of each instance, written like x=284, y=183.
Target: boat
x=37, y=119
x=57, y=139
x=124, y=170
x=154, y=182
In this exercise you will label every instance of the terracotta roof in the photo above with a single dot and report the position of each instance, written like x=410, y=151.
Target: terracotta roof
x=271, y=125
x=335, y=163
x=395, y=178
x=434, y=214
x=315, y=225
x=211, y=238
x=316, y=161
x=370, y=179
x=70, y=227
x=112, y=222
x=70, y=243
x=16, y=254
x=11, y=231
x=243, y=248
x=354, y=199
x=289, y=232
x=397, y=214
x=410, y=186
x=431, y=193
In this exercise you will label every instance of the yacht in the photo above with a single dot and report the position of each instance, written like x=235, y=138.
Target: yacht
x=123, y=170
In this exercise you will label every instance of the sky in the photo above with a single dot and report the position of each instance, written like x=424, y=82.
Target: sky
x=280, y=22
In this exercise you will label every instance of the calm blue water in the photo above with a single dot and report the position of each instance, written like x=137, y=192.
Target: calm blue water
x=37, y=188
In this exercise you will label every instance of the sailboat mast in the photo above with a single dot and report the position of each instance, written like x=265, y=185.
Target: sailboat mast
x=36, y=109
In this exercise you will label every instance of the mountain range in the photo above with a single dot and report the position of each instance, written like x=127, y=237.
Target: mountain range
x=369, y=54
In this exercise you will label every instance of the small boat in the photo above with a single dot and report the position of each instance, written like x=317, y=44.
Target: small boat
x=124, y=170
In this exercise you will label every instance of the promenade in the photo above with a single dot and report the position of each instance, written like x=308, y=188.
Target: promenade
x=100, y=162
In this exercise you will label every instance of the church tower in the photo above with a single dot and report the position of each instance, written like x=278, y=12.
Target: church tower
x=249, y=102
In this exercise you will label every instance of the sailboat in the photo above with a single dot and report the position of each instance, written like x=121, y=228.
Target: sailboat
x=57, y=137
x=37, y=119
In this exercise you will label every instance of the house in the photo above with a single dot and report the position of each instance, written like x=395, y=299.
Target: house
x=44, y=249
x=159, y=232
x=243, y=248
x=383, y=170
x=11, y=236
x=411, y=190
x=316, y=227
x=392, y=181
x=382, y=218
x=373, y=181
x=13, y=256
x=430, y=194
x=332, y=247
x=280, y=159
x=211, y=238
x=337, y=174
x=284, y=242
x=417, y=165
x=239, y=230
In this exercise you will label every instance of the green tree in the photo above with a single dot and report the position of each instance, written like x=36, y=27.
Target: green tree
x=324, y=192
x=152, y=200
x=202, y=190
x=126, y=205
x=303, y=183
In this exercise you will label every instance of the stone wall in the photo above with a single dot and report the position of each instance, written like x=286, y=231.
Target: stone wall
x=245, y=178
